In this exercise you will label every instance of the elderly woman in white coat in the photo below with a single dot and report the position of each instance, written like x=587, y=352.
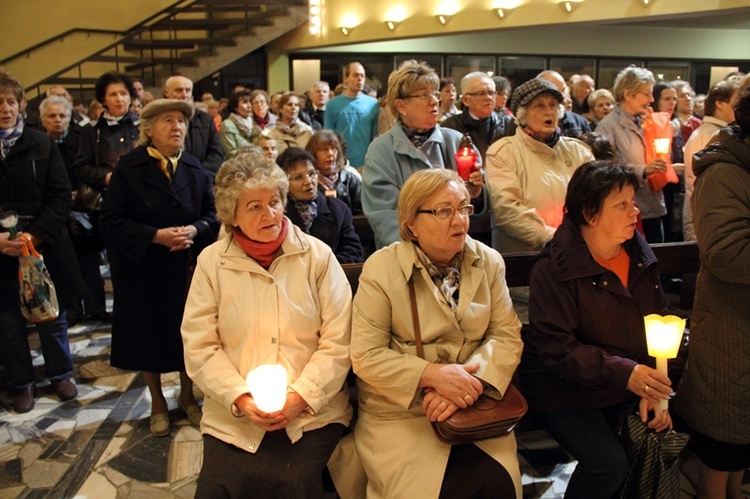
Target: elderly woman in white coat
x=266, y=294
x=472, y=345
x=528, y=173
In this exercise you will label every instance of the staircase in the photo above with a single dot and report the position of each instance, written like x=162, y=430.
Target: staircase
x=194, y=38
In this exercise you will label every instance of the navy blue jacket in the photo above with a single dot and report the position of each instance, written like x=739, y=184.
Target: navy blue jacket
x=333, y=226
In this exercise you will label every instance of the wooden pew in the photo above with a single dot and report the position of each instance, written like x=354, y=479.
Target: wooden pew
x=674, y=258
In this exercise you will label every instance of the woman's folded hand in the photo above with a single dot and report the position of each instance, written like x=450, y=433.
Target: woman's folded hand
x=454, y=382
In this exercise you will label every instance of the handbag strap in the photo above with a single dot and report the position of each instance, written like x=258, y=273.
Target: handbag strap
x=415, y=319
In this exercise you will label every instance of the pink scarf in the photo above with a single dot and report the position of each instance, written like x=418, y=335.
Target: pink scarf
x=263, y=253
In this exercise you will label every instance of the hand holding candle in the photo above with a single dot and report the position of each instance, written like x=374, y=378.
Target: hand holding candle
x=9, y=220
x=267, y=385
x=663, y=336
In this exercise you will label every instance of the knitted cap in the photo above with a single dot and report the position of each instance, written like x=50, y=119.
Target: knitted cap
x=526, y=93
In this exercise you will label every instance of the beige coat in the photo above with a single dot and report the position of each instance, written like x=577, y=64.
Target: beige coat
x=239, y=316
x=400, y=453
x=527, y=181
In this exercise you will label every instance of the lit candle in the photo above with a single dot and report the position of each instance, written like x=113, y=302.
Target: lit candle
x=466, y=161
x=661, y=146
x=663, y=336
x=267, y=385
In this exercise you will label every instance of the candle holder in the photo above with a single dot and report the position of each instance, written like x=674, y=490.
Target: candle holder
x=267, y=385
x=661, y=147
x=663, y=336
x=9, y=220
x=466, y=157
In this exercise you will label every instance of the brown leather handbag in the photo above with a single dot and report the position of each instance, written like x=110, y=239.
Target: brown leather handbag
x=486, y=418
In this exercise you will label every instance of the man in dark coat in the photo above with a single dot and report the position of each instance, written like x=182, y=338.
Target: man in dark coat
x=479, y=119
x=314, y=111
x=202, y=141
x=572, y=124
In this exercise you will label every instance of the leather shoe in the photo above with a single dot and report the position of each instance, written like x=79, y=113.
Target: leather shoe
x=102, y=317
x=23, y=401
x=64, y=389
x=159, y=424
x=193, y=413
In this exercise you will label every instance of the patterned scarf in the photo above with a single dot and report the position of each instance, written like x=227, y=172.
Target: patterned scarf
x=308, y=211
x=168, y=165
x=551, y=141
x=417, y=137
x=9, y=137
x=447, y=279
x=244, y=125
x=329, y=181
x=292, y=130
x=263, y=253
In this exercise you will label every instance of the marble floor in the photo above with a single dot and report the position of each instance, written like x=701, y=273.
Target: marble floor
x=99, y=445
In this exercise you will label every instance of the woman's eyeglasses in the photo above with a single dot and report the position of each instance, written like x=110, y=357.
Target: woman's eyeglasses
x=449, y=211
x=299, y=177
x=424, y=97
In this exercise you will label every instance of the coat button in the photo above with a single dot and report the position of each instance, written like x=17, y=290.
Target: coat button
x=222, y=262
x=605, y=283
x=640, y=265
x=251, y=446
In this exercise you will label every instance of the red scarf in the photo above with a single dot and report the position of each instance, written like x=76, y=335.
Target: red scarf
x=263, y=253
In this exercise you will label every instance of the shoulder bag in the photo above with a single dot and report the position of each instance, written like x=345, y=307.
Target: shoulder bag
x=486, y=418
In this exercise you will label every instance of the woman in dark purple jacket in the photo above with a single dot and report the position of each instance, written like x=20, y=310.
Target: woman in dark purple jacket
x=585, y=356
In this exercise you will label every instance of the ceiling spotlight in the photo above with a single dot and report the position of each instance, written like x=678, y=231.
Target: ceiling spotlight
x=392, y=25
x=345, y=30
x=503, y=13
x=569, y=5
x=443, y=18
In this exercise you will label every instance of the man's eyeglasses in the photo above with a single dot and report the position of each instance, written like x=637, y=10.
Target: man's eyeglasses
x=299, y=177
x=449, y=212
x=424, y=97
x=486, y=93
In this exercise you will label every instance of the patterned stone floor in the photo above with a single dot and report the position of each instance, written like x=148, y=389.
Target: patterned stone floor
x=99, y=444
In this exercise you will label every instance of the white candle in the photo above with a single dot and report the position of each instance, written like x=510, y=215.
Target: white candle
x=663, y=336
x=267, y=385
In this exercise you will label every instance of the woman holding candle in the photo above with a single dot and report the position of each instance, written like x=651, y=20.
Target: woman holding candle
x=713, y=395
x=585, y=361
x=633, y=91
x=471, y=340
x=35, y=201
x=158, y=215
x=527, y=174
x=413, y=143
x=266, y=294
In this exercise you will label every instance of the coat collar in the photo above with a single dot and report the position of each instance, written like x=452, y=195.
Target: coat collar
x=402, y=144
x=571, y=258
x=153, y=176
x=233, y=257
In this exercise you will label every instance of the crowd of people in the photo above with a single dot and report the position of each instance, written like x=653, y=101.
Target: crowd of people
x=225, y=224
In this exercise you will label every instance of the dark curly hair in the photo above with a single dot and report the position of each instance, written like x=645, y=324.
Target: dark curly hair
x=591, y=183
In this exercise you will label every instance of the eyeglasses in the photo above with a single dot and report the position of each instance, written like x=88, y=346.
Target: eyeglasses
x=424, y=97
x=449, y=212
x=485, y=94
x=299, y=177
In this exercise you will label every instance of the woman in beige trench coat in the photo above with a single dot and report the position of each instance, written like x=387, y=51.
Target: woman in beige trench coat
x=472, y=345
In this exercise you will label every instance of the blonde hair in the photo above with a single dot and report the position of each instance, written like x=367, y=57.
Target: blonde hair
x=417, y=189
x=245, y=172
x=409, y=76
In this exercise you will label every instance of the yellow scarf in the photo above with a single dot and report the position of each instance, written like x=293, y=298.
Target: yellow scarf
x=168, y=165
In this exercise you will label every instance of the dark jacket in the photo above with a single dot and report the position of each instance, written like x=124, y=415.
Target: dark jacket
x=573, y=125
x=586, y=331
x=314, y=118
x=348, y=190
x=101, y=146
x=150, y=280
x=333, y=226
x=713, y=395
x=483, y=132
x=68, y=148
x=203, y=143
x=34, y=183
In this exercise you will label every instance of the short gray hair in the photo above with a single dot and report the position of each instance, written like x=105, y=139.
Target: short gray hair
x=630, y=79
x=598, y=94
x=56, y=100
x=476, y=74
x=244, y=172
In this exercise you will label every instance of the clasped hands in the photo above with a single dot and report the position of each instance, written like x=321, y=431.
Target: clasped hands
x=448, y=387
x=271, y=421
x=176, y=238
x=652, y=386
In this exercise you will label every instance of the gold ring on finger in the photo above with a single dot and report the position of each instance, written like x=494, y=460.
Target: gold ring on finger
x=646, y=389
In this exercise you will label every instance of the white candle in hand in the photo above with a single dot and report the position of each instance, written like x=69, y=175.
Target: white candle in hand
x=267, y=385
